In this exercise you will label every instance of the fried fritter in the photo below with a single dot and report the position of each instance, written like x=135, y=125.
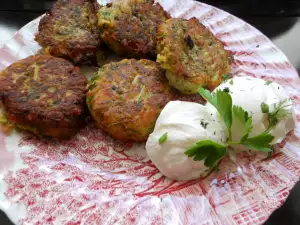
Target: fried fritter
x=191, y=55
x=70, y=31
x=45, y=95
x=125, y=98
x=129, y=27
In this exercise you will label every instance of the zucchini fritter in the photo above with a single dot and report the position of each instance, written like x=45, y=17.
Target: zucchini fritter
x=191, y=55
x=70, y=31
x=45, y=95
x=129, y=27
x=125, y=98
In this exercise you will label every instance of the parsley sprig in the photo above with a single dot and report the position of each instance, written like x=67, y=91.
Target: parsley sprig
x=209, y=151
x=212, y=152
x=279, y=112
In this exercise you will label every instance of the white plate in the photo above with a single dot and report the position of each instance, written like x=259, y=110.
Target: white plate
x=92, y=179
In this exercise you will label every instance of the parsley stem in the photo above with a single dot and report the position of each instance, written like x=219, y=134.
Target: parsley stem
x=230, y=135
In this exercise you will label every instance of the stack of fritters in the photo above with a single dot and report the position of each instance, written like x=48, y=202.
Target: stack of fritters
x=46, y=95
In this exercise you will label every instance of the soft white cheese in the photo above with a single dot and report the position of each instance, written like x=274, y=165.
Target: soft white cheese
x=250, y=93
x=186, y=123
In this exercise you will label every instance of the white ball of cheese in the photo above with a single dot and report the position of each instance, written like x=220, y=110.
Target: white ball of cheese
x=186, y=124
x=250, y=93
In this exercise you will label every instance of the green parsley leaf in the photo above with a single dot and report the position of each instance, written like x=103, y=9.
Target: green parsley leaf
x=246, y=120
x=240, y=114
x=222, y=101
x=268, y=82
x=163, y=138
x=231, y=82
x=253, y=146
x=211, y=98
x=247, y=129
x=264, y=107
x=224, y=107
x=279, y=113
x=226, y=77
x=260, y=142
x=209, y=151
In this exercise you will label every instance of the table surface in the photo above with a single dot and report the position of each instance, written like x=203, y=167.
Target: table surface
x=282, y=30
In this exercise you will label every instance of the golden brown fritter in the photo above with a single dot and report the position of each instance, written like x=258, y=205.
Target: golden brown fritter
x=129, y=27
x=45, y=95
x=191, y=55
x=70, y=31
x=125, y=98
